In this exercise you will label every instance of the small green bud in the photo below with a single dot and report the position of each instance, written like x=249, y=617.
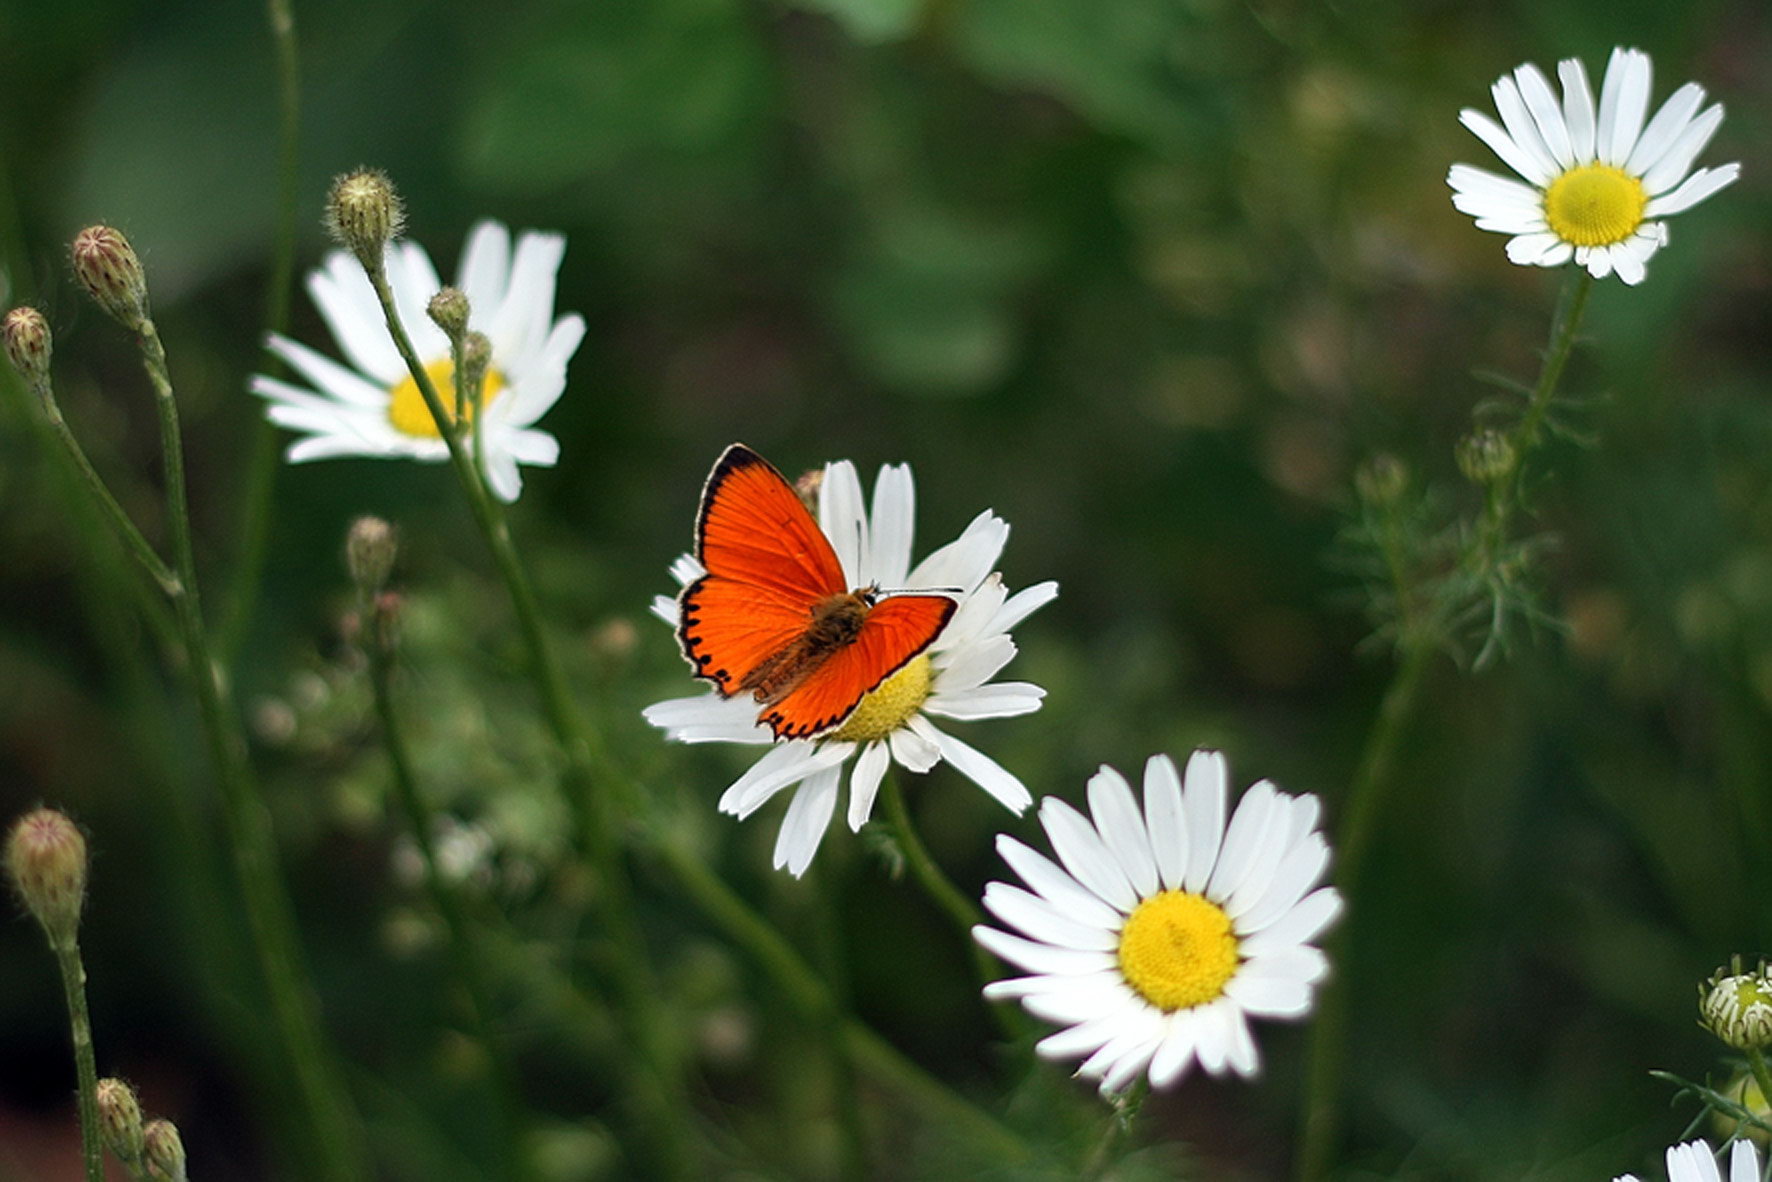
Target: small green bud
x=1381, y=480
x=28, y=345
x=448, y=310
x=110, y=271
x=46, y=860
x=364, y=213
x=164, y=1152
x=476, y=359
x=120, y=1120
x=1737, y=1007
x=370, y=549
x=1485, y=456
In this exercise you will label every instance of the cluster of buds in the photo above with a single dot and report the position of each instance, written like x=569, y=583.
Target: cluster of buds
x=1737, y=1006
x=151, y=1150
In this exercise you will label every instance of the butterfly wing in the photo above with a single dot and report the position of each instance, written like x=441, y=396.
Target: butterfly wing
x=895, y=631
x=768, y=563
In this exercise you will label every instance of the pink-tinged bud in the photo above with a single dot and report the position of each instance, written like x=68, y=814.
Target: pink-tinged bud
x=120, y=1121
x=363, y=212
x=370, y=549
x=164, y=1152
x=46, y=860
x=28, y=345
x=110, y=271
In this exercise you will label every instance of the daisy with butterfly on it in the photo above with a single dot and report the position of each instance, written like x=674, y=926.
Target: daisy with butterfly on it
x=373, y=407
x=826, y=645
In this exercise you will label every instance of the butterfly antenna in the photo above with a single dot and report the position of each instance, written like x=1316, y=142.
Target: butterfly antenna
x=887, y=592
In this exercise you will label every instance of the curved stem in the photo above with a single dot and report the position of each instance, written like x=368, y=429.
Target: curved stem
x=330, y=1122
x=262, y=466
x=665, y=1115
x=73, y=973
x=463, y=947
x=923, y=867
x=1756, y=1061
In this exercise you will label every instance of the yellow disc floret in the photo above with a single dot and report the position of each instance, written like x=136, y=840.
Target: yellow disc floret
x=1595, y=205
x=890, y=704
x=406, y=406
x=1177, y=950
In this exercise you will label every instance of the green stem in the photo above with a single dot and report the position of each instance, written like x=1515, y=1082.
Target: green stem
x=67, y=958
x=329, y=1120
x=262, y=467
x=1756, y=1061
x=802, y=988
x=1117, y=1128
x=657, y=1089
x=463, y=947
x=929, y=875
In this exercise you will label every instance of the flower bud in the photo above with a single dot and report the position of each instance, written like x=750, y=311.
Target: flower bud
x=363, y=212
x=1382, y=480
x=28, y=344
x=1737, y=1007
x=448, y=310
x=46, y=860
x=808, y=487
x=163, y=1151
x=370, y=549
x=1485, y=456
x=108, y=268
x=120, y=1120
x=476, y=359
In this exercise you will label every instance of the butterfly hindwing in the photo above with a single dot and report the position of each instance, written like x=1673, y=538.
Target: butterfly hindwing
x=767, y=564
x=895, y=631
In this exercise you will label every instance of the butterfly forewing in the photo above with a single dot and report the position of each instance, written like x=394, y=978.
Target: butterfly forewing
x=767, y=564
x=895, y=631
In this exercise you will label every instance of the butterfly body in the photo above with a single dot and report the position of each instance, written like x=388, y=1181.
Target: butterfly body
x=774, y=616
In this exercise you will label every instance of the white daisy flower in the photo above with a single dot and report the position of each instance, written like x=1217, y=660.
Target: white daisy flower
x=1694, y=1162
x=1166, y=930
x=1597, y=180
x=375, y=409
x=951, y=679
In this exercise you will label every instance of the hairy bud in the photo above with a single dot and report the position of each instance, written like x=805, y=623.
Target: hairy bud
x=111, y=272
x=448, y=310
x=363, y=212
x=28, y=345
x=1485, y=456
x=163, y=1152
x=120, y=1120
x=46, y=860
x=370, y=549
x=476, y=359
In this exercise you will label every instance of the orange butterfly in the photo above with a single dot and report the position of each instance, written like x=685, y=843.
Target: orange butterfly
x=773, y=615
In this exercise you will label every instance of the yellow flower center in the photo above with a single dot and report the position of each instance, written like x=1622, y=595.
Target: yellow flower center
x=406, y=406
x=1595, y=205
x=889, y=705
x=1177, y=950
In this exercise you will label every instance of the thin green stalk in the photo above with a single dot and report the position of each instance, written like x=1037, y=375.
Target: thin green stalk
x=262, y=466
x=328, y=1117
x=67, y=959
x=1416, y=638
x=1756, y=1062
x=802, y=988
x=463, y=947
x=657, y=1089
x=1116, y=1129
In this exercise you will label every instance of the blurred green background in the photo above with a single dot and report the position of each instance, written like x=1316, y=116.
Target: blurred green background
x=1147, y=277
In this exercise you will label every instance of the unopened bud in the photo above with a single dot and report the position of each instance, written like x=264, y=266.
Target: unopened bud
x=163, y=1152
x=448, y=310
x=1737, y=1007
x=46, y=860
x=476, y=359
x=363, y=212
x=1485, y=456
x=1382, y=480
x=108, y=268
x=28, y=345
x=120, y=1120
x=370, y=549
